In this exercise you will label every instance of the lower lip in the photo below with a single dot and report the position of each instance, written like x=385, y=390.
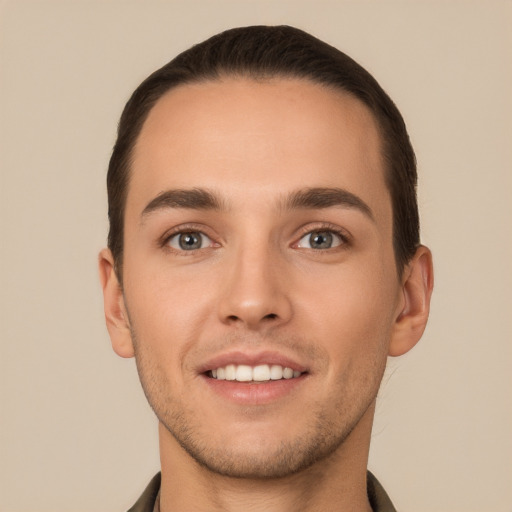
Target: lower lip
x=254, y=393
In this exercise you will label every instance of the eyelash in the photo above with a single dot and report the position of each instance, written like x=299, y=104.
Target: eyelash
x=304, y=231
x=181, y=230
x=345, y=238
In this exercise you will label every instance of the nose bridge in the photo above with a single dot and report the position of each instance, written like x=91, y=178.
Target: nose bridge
x=255, y=294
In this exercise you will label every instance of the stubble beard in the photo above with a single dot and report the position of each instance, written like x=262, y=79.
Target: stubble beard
x=290, y=457
x=322, y=436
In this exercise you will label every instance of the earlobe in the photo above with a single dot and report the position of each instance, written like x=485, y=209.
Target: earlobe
x=417, y=288
x=116, y=317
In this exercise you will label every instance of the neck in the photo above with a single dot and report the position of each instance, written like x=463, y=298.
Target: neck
x=337, y=482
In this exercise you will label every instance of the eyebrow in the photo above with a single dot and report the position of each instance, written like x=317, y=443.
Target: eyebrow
x=318, y=198
x=307, y=198
x=193, y=199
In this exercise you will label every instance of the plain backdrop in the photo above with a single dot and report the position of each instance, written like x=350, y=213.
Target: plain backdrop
x=76, y=432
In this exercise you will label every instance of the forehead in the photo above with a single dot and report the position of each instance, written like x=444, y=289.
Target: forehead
x=275, y=135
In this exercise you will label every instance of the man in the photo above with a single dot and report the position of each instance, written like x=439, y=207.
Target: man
x=263, y=262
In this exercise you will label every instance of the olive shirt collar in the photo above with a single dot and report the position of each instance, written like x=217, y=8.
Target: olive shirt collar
x=379, y=500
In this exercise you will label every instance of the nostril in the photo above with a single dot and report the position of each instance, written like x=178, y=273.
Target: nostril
x=252, y=318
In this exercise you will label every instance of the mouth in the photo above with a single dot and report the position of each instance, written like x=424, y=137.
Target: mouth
x=246, y=378
x=260, y=373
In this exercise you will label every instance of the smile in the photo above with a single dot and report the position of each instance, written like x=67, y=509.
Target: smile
x=259, y=373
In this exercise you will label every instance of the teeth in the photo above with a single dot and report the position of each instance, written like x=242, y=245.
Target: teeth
x=243, y=373
x=288, y=373
x=260, y=373
x=276, y=372
x=230, y=372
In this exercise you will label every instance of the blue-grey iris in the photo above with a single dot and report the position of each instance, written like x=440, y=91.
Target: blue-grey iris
x=320, y=240
x=190, y=241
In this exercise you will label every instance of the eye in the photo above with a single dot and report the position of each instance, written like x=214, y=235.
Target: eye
x=189, y=241
x=321, y=239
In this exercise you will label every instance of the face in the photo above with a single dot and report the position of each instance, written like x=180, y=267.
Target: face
x=259, y=280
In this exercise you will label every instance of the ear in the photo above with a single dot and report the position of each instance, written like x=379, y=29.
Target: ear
x=116, y=316
x=411, y=319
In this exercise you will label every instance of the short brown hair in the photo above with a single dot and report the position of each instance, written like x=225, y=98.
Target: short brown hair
x=266, y=52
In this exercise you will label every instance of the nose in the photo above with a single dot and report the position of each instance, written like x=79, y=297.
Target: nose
x=256, y=291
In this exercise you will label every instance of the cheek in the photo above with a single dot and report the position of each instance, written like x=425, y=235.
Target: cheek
x=167, y=308
x=353, y=312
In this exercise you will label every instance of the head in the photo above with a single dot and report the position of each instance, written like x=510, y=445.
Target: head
x=263, y=52
x=263, y=217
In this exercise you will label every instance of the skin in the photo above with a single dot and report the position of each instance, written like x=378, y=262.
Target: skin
x=257, y=285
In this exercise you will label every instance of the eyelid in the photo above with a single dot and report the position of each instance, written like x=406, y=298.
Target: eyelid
x=163, y=241
x=206, y=241
x=323, y=226
x=343, y=234
x=304, y=230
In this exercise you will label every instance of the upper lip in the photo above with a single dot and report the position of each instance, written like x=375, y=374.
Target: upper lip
x=238, y=357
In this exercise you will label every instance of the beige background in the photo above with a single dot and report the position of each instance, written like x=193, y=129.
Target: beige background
x=76, y=433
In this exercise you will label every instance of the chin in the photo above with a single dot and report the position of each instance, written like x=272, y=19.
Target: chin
x=261, y=457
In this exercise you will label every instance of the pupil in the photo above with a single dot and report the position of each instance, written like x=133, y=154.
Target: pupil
x=190, y=241
x=321, y=240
